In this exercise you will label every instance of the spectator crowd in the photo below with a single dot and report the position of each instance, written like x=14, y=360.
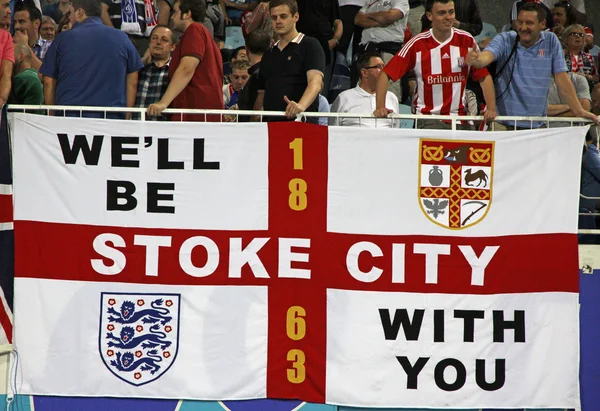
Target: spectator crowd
x=347, y=56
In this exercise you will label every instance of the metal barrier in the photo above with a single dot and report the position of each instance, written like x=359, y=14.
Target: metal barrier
x=235, y=115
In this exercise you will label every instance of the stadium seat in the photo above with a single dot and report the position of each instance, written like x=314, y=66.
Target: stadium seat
x=234, y=37
x=406, y=123
x=340, y=79
x=341, y=67
x=349, y=55
x=488, y=30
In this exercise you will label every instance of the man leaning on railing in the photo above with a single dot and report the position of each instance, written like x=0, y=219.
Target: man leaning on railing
x=525, y=61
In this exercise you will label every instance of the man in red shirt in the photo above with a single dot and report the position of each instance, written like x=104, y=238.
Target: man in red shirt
x=438, y=57
x=196, y=66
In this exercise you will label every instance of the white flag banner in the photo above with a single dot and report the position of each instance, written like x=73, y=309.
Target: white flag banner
x=382, y=268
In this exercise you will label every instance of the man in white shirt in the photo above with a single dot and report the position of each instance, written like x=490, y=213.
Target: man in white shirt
x=383, y=23
x=361, y=99
x=558, y=107
x=348, y=11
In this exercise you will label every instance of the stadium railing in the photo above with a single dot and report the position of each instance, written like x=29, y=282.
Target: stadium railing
x=235, y=115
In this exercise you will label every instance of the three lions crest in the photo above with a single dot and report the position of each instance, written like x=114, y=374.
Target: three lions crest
x=139, y=335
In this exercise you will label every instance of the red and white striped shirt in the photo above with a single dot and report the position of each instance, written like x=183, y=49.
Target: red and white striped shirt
x=440, y=69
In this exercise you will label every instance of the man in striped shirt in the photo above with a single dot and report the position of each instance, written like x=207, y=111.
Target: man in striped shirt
x=526, y=60
x=438, y=57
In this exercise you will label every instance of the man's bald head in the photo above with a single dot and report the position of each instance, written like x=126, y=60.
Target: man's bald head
x=22, y=58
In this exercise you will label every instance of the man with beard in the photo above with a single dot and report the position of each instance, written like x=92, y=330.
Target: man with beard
x=28, y=19
x=154, y=77
x=196, y=66
x=525, y=62
x=27, y=86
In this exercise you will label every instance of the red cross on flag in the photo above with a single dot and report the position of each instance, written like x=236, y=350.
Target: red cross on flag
x=380, y=268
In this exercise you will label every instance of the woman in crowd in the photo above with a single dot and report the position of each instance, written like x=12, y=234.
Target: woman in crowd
x=578, y=61
x=563, y=17
x=65, y=23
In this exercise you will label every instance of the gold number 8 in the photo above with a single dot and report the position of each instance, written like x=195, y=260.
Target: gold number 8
x=298, y=200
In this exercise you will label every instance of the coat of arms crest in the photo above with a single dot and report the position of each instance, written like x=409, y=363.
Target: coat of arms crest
x=139, y=334
x=455, y=181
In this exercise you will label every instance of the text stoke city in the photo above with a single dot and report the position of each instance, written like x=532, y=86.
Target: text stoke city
x=293, y=257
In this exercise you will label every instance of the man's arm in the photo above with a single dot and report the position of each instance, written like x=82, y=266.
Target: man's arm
x=583, y=94
x=5, y=81
x=563, y=110
x=558, y=110
x=480, y=59
x=36, y=63
x=164, y=12
x=385, y=18
x=489, y=95
x=180, y=80
x=315, y=84
x=258, y=104
x=224, y=11
x=567, y=93
x=132, y=81
x=49, y=90
x=241, y=6
x=380, y=94
x=362, y=20
x=104, y=16
x=338, y=30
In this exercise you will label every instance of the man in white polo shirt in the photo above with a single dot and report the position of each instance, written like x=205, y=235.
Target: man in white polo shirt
x=361, y=99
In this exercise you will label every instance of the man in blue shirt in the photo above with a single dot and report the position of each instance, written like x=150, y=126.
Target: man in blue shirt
x=91, y=64
x=525, y=62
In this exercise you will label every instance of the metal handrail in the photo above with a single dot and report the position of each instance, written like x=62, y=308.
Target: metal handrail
x=249, y=113
x=252, y=113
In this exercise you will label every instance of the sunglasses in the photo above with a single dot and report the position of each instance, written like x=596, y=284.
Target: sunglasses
x=580, y=35
x=378, y=66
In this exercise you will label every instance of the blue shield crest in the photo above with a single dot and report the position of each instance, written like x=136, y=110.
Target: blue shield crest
x=139, y=334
